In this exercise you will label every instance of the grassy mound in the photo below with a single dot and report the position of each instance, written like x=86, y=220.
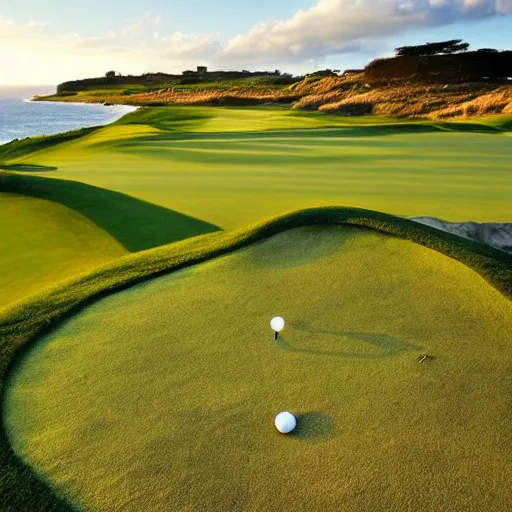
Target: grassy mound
x=43, y=242
x=136, y=225
x=23, y=323
x=51, y=230
x=22, y=147
x=194, y=429
x=231, y=167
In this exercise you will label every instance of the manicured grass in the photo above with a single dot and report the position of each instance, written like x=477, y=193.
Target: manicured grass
x=162, y=397
x=51, y=230
x=226, y=168
x=136, y=225
x=44, y=242
x=24, y=322
x=22, y=147
x=234, y=166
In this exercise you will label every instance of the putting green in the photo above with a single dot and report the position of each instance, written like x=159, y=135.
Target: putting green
x=231, y=167
x=162, y=397
x=43, y=242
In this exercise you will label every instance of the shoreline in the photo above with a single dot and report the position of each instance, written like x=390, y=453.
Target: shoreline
x=100, y=103
x=115, y=114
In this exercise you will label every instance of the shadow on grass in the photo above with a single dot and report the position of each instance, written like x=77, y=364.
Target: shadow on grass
x=386, y=345
x=135, y=224
x=26, y=168
x=334, y=132
x=315, y=427
x=173, y=132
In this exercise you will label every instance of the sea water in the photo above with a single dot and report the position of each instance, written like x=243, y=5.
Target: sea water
x=20, y=117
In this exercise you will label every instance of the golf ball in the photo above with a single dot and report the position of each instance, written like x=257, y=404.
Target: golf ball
x=285, y=422
x=277, y=323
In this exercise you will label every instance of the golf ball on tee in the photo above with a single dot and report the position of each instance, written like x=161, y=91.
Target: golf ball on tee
x=285, y=422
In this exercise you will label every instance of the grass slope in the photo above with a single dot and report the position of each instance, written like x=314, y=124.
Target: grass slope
x=22, y=147
x=43, y=242
x=162, y=397
x=22, y=324
x=356, y=95
x=136, y=225
x=235, y=166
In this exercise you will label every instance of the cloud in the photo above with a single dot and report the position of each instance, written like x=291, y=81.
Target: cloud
x=330, y=27
x=9, y=29
x=140, y=37
x=343, y=26
x=190, y=46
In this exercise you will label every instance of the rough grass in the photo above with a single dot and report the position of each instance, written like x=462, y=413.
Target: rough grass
x=233, y=166
x=352, y=95
x=24, y=322
x=234, y=92
x=434, y=102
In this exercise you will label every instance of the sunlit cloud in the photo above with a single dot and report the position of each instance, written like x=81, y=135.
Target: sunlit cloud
x=343, y=26
x=331, y=27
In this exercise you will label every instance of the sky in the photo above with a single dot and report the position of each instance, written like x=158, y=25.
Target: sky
x=53, y=41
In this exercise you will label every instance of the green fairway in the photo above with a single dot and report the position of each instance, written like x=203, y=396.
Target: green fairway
x=233, y=166
x=162, y=397
x=43, y=242
x=127, y=394
x=52, y=229
x=135, y=224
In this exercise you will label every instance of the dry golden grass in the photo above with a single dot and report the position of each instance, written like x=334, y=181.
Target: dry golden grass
x=190, y=96
x=350, y=95
x=418, y=101
x=433, y=101
x=498, y=101
x=201, y=96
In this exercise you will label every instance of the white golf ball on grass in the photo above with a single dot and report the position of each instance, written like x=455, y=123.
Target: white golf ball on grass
x=285, y=422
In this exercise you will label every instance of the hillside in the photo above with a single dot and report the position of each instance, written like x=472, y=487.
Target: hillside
x=435, y=80
x=357, y=96
x=346, y=95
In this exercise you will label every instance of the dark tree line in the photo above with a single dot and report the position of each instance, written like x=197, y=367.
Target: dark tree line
x=443, y=47
x=443, y=62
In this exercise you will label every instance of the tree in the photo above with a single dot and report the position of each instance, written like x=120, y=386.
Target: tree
x=443, y=47
x=110, y=74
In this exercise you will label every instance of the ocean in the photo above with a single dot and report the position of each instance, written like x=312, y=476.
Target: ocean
x=20, y=118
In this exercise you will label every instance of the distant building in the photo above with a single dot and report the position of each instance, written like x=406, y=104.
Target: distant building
x=323, y=72
x=349, y=72
x=201, y=70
